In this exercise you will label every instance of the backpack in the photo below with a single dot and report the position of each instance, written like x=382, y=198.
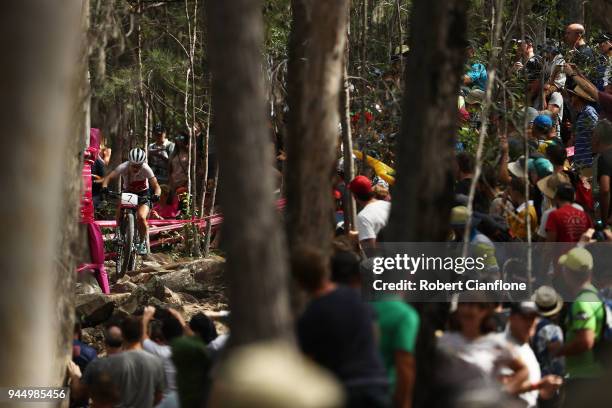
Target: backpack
x=584, y=191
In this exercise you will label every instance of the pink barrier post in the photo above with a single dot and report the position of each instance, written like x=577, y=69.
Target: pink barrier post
x=95, y=238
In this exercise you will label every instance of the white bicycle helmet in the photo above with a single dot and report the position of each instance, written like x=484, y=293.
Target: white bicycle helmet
x=137, y=156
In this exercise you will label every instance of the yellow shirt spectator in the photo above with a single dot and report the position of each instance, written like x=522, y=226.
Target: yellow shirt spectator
x=516, y=221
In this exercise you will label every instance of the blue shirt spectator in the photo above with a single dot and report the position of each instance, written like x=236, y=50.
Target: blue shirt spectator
x=82, y=354
x=478, y=75
x=585, y=122
x=546, y=333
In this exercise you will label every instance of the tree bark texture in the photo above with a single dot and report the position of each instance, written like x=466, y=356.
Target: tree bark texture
x=252, y=234
x=601, y=13
x=40, y=39
x=350, y=208
x=423, y=192
x=422, y=197
x=72, y=238
x=315, y=72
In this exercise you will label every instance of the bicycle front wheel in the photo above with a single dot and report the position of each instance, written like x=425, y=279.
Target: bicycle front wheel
x=129, y=251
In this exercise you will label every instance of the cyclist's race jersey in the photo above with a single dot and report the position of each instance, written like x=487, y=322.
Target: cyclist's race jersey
x=135, y=182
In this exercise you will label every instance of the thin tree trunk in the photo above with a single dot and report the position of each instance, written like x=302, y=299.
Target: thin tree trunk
x=143, y=97
x=253, y=240
x=40, y=85
x=350, y=212
x=317, y=49
x=189, y=132
x=213, y=197
x=363, y=74
x=400, y=32
x=601, y=13
x=205, y=154
x=196, y=250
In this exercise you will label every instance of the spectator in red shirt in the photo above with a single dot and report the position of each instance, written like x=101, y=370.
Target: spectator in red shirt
x=566, y=223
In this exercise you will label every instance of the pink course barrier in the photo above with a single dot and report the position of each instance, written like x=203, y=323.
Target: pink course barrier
x=94, y=233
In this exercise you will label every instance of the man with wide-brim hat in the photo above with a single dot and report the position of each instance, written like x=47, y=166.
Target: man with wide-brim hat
x=548, y=302
x=548, y=185
x=582, y=93
x=586, y=119
x=603, y=98
x=548, y=335
x=517, y=168
x=475, y=97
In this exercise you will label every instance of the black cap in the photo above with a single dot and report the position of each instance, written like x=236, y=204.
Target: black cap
x=565, y=191
x=524, y=308
x=603, y=37
x=159, y=128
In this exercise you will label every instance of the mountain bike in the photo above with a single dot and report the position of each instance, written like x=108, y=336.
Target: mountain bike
x=127, y=239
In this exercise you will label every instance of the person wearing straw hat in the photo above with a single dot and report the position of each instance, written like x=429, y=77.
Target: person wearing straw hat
x=603, y=98
x=586, y=119
x=548, y=338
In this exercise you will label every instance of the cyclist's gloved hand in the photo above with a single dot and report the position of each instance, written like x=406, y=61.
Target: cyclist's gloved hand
x=104, y=191
x=154, y=198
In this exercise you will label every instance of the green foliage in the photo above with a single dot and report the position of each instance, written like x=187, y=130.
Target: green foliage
x=277, y=21
x=468, y=137
x=118, y=85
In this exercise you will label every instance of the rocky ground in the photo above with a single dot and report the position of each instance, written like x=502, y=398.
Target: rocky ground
x=188, y=285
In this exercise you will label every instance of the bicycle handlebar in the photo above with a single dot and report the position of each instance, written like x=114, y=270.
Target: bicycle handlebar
x=117, y=194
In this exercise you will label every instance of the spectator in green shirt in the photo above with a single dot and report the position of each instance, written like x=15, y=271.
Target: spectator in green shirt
x=399, y=325
x=585, y=316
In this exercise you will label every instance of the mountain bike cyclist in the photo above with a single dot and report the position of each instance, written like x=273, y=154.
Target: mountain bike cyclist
x=137, y=175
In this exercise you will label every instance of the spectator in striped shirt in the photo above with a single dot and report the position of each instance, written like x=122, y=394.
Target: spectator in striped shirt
x=586, y=119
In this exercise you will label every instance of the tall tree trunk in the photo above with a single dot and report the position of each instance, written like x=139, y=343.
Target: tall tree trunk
x=425, y=149
x=252, y=235
x=601, y=13
x=315, y=71
x=40, y=39
x=72, y=240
